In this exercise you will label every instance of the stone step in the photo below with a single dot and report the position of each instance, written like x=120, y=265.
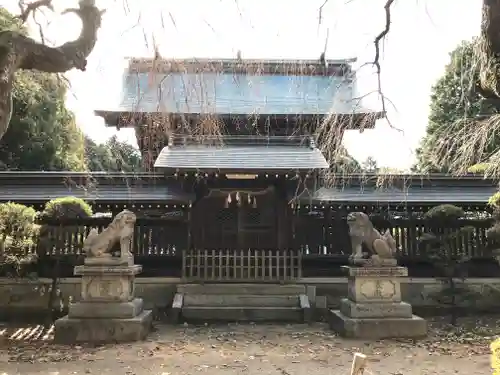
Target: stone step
x=241, y=314
x=245, y=300
x=242, y=289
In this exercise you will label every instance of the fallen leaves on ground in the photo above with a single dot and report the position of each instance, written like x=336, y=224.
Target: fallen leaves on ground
x=48, y=353
x=472, y=336
x=255, y=342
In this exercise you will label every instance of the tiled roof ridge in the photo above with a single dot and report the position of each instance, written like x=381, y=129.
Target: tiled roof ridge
x=242, y=140
x=142, y=60
x=244, y=66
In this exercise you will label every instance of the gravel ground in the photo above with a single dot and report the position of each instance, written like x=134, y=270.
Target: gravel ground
x=255, y=349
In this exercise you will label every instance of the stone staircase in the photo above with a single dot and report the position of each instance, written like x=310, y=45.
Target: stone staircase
x=240, y=303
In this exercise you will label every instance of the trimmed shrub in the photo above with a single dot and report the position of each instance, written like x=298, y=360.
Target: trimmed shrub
x=438, y=246
x=18, y=237
x=67, y=208
x=445, y=213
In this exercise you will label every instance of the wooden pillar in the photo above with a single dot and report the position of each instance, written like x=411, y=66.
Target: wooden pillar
x=342, y=238
x=281, y=217
x=292, y=215
x=196, y=216
x=329, y=229
x=283, y=227
x=189, y=226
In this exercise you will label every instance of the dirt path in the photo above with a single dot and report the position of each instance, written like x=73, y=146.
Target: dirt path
x=256, y=349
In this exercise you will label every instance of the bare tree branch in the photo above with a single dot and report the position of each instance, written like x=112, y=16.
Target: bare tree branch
x=26, y=10
x=376, y=61
x=18, y=51
x=320, y=16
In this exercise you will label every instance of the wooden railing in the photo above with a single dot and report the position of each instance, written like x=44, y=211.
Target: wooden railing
x=323, y=243
x=157, y=245
x=317, y=236
x=250, y=265
x=313, y=236
x=152, y=237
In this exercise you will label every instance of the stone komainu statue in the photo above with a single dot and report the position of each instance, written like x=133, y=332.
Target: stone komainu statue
x=361, y=230
x=121, y=230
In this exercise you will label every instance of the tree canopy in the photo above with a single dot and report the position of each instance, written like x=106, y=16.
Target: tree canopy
x=370, y=164
x=43, y=134
x=455, y=109
x=112, y=156
x=343, y=162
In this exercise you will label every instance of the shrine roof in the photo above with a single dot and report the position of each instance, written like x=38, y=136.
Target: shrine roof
x=307, y=90
x=116, y=187
x=44, y=186
x=426, y=195
x=241, y=66
x=244, y=153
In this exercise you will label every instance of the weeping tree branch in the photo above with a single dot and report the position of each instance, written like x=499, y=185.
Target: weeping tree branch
x=18, y=51
x=488, y=52
x=471, y=139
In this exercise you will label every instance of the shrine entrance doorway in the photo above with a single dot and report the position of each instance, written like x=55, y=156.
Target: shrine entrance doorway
x=237, y=236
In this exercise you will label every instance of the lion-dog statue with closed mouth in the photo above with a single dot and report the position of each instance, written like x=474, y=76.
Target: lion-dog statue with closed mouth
x=382, y=247
x=99, y=246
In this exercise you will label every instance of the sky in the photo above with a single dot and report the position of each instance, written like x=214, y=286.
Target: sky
x=414, y=54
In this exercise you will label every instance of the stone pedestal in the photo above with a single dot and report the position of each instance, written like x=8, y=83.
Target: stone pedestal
x=373, y=308
x=108, y=310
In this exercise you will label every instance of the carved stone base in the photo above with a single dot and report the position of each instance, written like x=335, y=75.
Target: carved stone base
x=111, y=283
x=377, y=328
x=377, y=262
x=108, y=310
x=120, y=310
x=108, y=260
x=84, y=330
x=373, y=308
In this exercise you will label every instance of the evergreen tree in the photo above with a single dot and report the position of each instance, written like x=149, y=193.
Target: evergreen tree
x=455, y=104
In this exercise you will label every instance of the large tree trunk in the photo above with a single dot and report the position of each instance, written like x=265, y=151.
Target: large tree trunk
x=489, y=50
x=18, y=51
